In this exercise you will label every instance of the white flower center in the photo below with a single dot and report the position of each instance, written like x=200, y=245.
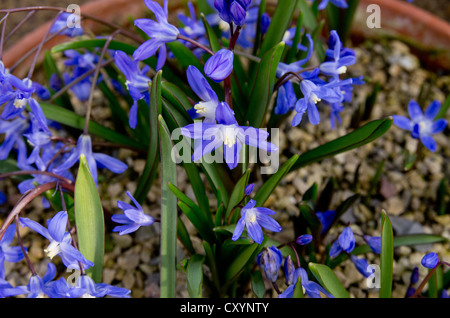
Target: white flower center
x=53, y=249
x=229, y=136
x=314, y=98
x=251, y=216
x=342, y=70
x=201, y=108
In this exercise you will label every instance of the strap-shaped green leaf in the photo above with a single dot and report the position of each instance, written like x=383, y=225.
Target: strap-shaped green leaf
x=280, y=22
x=355, y=139
x=238, y=193
x=258, y=287
x=328, y=279
x=151, y=164
x=386, y=257
x=264, y=81
x=309, y=18
x=69, y=118
x=194, y=275
x=212, y=37
x=168, y=213
x=269, y=186
x=89, y=220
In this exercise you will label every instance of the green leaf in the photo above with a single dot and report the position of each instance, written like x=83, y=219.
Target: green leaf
x=194, y=276
x=69, y=118
x=355, y=139
x=258, y=287
x=240, y=261
x=281, y=20
x=295, y=41
x=386, y=257
x=444, y=108
x=194, y=214
x=328, y=279
x=264, y=81
x=269, y=186
x=184, y=237
x=168, y=214
x=238, y=193
x=309, y=18
x=53, y=196
x=89, y=220
x=210, y=35
x=435, y=284
x=87, y=44
x=183, y=55
x=151, y=163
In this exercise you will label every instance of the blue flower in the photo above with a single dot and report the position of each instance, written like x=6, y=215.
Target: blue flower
x=45, y=163
x=313, y=290
x=2, y=198
x=62, y=289
x=340, y=57
x=345, y=242
x=233, y=10
x=362, y=266
x=374, y=243
x=422, y=125
x=18, y=97
x=60, y=240
x=13, y=139
x=160, y=32
x=414, y=276
x=220, y=65
x=254, y=218
x=289, y=271
x=91, y=289
x=326, y=219
x=249, y=188
x=226, y=133
x=314, y=93
x=209, y=100
x=67, y=24
x=431, y=260
x=347, y=239
x=304, y=239
x=7, y=290
x=133, y=217
x=338, y=3
x=9, y=253
x=193, y=28
x=136, y=81
x=270, y=260
x=39, y=287
x=296, y=66
x=85, y=61
x=84, y=147
x=286, y=99
x=38, y=139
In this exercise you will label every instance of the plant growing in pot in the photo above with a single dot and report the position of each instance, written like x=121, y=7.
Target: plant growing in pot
x=202, y=98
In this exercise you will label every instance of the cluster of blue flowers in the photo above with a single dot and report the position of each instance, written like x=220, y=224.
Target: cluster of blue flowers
x=271, y=259
x=346, y=243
